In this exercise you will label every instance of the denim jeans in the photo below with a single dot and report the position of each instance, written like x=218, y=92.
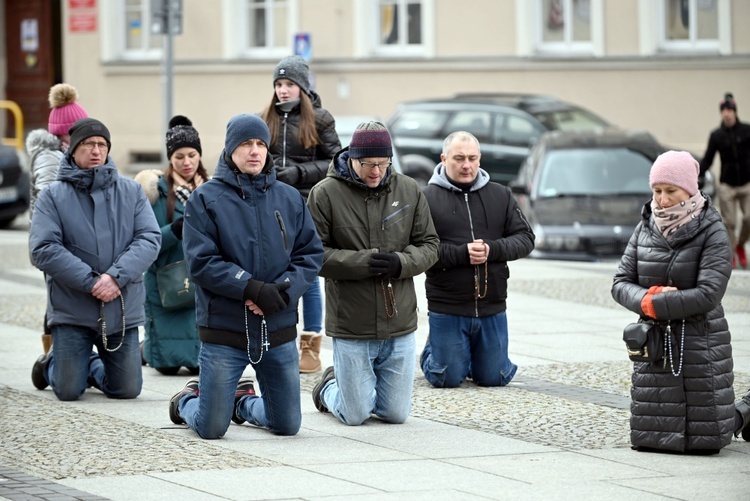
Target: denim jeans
x=459, y=347
x=277, y=377
x=312, y=308
x=73, y=365
x=372, y=377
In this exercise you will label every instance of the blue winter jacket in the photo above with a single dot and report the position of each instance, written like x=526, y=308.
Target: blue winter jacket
x=240, y=227
x=86, y=223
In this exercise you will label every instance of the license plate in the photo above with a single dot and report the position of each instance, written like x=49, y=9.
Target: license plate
x=8, y=195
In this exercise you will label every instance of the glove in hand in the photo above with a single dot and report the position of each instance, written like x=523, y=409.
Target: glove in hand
x=177, y=227
x=385, y=264
x=272, y=298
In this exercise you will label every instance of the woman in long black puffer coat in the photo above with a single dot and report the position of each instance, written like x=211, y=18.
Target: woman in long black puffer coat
x=676, y=268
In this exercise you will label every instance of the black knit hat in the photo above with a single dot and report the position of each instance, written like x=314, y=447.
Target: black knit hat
x=86, y=128
x=182, y=134
x=370, y=140
x=728, y=103
x=293, y=68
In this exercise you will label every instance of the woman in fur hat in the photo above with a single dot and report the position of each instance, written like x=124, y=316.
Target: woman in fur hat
x=171, y=338
x=303, y=142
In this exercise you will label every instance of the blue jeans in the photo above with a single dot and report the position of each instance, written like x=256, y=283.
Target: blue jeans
x=277, y=378
x=73, y=366
x=459, y=347
x=372, y=377
x=312, y=308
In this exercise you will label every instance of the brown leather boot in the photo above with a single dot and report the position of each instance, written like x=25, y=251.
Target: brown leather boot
x=46, y=342
x=309, y=352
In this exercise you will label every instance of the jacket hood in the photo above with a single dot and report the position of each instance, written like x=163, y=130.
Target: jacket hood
x=41, y=139
x=149, y=181
x=440, y=178
x=340, y=168
x=89, y=180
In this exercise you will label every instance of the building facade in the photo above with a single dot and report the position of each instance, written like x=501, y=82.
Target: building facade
x=659, y=65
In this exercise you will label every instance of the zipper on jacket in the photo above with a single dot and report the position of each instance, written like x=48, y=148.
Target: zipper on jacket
x=283, y=147
x=391, y=216
x=283, y=229
x=476, y=266
x=523, y=218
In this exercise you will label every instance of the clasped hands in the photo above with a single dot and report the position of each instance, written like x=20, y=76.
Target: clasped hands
x=479, y=251
x=105, y=289
x=271, y=299
x=385, y=264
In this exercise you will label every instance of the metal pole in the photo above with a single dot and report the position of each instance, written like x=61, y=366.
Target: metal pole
x=168, y=66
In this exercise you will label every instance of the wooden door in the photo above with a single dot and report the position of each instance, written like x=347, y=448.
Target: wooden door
x=34, y=57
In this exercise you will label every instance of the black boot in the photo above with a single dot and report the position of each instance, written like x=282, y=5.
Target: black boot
x=743, y=408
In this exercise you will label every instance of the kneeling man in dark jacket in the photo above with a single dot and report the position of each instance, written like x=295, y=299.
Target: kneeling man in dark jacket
x=481, y=228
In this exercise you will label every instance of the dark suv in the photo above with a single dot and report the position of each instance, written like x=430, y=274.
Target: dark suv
x=506, y=126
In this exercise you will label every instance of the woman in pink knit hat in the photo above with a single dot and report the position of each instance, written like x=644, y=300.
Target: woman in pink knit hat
x=675, y=271
x=46, y=148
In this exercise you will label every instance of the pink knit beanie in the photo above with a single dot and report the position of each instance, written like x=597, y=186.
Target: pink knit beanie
x=65, y=111
x=677, y=168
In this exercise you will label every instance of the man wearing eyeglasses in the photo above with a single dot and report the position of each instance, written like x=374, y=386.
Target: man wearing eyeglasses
x=377, y=235
x=93, y=234
x=481, y=228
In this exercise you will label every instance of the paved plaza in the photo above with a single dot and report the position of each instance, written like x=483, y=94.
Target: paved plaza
x=558, y=431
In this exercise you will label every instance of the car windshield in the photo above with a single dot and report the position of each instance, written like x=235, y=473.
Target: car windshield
x=573, y=119
x=594, y=171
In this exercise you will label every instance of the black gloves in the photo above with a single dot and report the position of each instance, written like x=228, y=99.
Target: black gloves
x=270, y=298
x=177, y=228
x=385, y=264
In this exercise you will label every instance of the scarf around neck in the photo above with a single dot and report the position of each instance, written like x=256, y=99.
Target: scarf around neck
x=182, y=187
x=673, y=218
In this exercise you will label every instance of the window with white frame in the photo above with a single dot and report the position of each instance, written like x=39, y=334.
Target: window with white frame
x=689, y=25
x=135, y=38
x=267, y=24
x=564, y=26
x=401, y=27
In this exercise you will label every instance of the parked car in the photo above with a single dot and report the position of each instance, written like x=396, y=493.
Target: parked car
x=506, y=125
x=582, y=191
x=14, y=186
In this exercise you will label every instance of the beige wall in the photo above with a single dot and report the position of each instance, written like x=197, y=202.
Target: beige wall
x=475, y=46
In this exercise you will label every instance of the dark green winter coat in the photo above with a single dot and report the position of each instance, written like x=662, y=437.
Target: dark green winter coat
x=171, y=337
x=354, y=222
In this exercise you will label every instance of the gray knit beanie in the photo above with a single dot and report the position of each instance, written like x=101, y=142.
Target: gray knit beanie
x=241, y=128
x=370, y=140
x=293, y=68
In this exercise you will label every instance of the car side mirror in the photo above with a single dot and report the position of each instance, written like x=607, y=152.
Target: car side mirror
x=518, y=188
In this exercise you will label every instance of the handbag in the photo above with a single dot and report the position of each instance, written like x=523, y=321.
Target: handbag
x=647, y=341
x=644, y=341
x=176, y=291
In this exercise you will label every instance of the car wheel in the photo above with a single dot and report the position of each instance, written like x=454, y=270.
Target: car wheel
x=4, y=223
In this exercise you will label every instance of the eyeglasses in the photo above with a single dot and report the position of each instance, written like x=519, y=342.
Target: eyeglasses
x=90, y=145
x=372, y=165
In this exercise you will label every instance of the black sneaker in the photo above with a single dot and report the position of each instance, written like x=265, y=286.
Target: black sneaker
x=191, y=388
x=743, y=407
x=244, y=388
x=328, y=375
x=38, y=370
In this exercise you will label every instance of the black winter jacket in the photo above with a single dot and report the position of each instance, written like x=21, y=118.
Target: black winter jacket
x=694, y=410
x=295, y=165
x=733, y=145
x=488, y=212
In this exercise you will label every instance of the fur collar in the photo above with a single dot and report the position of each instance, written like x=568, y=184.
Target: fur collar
x=149, y=181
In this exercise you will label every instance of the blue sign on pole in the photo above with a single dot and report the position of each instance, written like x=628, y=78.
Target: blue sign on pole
x=302, y=46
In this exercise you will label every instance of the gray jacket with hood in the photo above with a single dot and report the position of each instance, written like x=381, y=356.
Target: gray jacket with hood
x=45, y=153
x=90, y=222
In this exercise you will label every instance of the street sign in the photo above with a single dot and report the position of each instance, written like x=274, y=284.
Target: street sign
x=302, y=46
x=161, y=15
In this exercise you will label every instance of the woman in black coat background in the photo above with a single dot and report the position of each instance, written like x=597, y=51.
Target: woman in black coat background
x=676, y=268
